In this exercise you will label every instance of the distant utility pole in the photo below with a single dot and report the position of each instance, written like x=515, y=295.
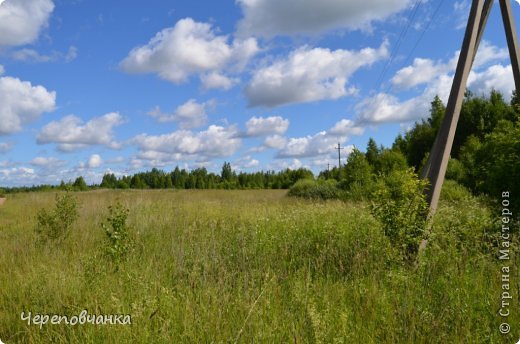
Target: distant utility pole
x=435, y=169
x=339, y=148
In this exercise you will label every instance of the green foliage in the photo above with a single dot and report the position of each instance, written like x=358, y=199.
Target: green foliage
x=498, y=162
x=399, y=204
x=453, y=192
x=372, y=153
x=390, y=160
x=227, y=172
x=118, y=242
x=80, y=184
x=56, y=224
x=358, y=178
x=311, y=189
x=456, y=171
x=297, y=271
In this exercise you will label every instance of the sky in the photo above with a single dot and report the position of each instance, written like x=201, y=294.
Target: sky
x=89, y=87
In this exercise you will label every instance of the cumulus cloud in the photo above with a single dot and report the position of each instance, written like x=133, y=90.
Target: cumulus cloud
x=385, y=108
x=308, y=146
x=215, y=142
x=423, y=71
x=246, y=162
x=346, y=127
x=420, y=72
x=189, y=115
x=436, y=79
x=21, y=103
x=18, y=176
x=70, y=133
x=496, y=77
x=320, y=144
x=215, y=80
x=47, y=162
x=94, y=161
x=309, y=74
x=275, y=141
x=22, y=20
x=259, y=126
x=31, y=55
x=272, y=17
x=189, y=48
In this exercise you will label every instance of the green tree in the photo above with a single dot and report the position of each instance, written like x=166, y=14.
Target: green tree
x=498, y=161
x=372, y=152
x=390, y=160
x=227, y=172
x=358, y=177
x=80, y=184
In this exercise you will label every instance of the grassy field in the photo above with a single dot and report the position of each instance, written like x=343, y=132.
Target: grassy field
x=252, y=266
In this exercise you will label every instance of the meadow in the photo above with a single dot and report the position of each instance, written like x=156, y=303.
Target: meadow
x=255, y=266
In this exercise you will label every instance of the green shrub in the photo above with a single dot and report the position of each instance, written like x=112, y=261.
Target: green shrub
x=56, y=224
x=456, y=171
x=118, y=242
x=321, y=189
x=454, y=192
x=400, y=205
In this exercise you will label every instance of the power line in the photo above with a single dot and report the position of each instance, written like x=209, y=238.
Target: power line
x=404, y=31
x=427, y=26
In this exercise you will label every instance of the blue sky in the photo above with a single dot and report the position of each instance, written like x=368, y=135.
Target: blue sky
x=90, y=87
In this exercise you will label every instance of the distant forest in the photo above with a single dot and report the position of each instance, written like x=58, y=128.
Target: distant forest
x=485, y=157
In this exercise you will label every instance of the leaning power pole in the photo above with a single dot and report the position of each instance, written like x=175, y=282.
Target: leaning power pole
x=339, y=148
x=435, y=169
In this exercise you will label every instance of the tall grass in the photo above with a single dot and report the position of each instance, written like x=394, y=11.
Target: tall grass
x=250, y=266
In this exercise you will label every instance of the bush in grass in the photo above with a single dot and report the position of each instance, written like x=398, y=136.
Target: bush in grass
x=454, y=192
x=118, y=242
x=400, y=205
x=321, y=189
x=56, y=224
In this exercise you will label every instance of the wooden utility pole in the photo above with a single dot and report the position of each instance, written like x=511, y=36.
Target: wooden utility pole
x=435, y=168
x=339, y=148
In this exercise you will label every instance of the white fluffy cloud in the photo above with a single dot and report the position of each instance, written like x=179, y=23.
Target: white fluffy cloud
x=246, y=162
x=94, y=161
x=436, y=79
x=275, y=141
x=272, y=17
x=346, y=127
x=385, y=108
x=320, y=144
x=22, y=20
x=214, y=142
x=259, y=126
x=215, y=80
x=70, y=133
x=189, y=48
x=21, y=103
x=189, y=115
x=18, y=176
x=423, y=71
x=497, y=77
x=47, y=162
x=308, y=75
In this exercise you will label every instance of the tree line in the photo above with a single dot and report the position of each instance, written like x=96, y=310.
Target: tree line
x=485, y=158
